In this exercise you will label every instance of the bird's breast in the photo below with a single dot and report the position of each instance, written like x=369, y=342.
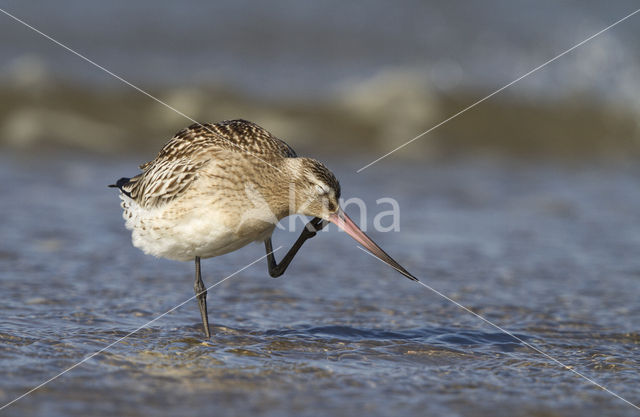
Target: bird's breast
x=197, y=225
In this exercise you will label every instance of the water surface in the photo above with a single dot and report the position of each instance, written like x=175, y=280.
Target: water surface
x=546, y=252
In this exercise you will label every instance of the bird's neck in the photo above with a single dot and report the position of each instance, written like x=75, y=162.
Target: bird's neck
x=285, y=200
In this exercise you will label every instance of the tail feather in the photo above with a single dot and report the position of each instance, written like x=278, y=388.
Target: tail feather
x=121, y=183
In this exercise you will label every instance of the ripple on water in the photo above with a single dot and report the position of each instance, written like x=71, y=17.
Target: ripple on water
x=343, y=336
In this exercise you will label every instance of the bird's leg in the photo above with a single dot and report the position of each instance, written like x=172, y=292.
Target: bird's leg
x=201, y=295
x=275, y=269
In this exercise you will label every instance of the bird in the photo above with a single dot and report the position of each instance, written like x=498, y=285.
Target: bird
x=216, y=187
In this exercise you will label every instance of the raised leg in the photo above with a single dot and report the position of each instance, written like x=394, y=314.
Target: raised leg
x=201, y=295
x=309, y=231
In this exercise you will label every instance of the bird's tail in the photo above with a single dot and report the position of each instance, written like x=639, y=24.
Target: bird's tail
x=121, y=183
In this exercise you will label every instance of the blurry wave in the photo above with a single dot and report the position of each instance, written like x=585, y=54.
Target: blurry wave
x=372, y=116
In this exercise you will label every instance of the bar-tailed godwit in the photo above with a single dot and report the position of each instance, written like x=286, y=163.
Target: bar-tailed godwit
x=214, y=188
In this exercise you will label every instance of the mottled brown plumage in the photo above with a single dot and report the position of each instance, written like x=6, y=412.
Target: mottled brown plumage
x=236, y=175
x=214, y=188
x=232, y=135
x=177, y=164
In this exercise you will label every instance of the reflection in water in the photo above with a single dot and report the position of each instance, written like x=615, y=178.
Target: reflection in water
x=546, y=252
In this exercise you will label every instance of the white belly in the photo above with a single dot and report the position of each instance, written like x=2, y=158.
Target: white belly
x=181, y=231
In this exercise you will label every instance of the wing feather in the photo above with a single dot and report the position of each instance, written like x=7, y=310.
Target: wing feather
x=163, y=181
x=176, y=166
x=238, y=135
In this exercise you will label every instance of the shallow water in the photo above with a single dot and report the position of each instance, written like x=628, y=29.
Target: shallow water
x=308, y=49
x=548, y=253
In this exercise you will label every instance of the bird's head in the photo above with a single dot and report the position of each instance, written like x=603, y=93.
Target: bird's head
x=317, y=191
x=317, y=194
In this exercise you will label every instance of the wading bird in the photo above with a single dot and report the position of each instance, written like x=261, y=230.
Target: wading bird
x=214, y=188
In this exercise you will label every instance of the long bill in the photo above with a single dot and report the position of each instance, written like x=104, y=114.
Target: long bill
x=343, y=221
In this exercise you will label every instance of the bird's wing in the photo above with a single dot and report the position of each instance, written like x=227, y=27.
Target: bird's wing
x=162, y=181
x=239, y=136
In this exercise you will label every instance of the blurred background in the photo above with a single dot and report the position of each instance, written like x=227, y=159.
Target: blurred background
x=526, y=208
x=350, y=76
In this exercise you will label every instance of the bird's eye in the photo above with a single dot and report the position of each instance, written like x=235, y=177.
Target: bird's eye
x=321, y=190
